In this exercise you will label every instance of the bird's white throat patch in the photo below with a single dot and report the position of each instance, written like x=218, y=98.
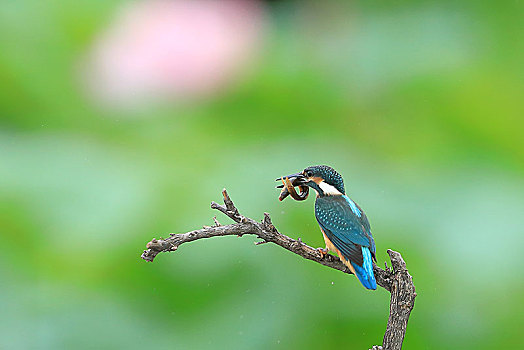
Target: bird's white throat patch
x=328, y=189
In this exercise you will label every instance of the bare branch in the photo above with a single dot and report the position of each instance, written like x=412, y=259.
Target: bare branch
x=401, y=303
x=397, y=281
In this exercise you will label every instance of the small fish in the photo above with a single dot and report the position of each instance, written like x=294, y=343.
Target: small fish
x=288, y=189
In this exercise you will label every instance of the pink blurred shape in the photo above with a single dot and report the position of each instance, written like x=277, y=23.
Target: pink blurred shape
x=180, y=49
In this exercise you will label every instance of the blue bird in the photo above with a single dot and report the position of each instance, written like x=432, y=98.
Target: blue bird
x=344, y=225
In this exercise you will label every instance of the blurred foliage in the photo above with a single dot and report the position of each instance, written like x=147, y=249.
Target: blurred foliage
x=418, y=104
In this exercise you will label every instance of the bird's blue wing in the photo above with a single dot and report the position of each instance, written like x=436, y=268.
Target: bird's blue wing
x=345, y=225
x=367, y=228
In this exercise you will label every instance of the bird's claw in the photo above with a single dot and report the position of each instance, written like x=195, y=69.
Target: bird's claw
x=323, y=252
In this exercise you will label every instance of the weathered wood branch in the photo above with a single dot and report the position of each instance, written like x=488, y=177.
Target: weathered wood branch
x=397, y=280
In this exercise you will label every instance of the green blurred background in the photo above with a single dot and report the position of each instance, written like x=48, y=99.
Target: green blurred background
x=116, y=127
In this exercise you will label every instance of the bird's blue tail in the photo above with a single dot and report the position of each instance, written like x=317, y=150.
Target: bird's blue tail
x=365, y=272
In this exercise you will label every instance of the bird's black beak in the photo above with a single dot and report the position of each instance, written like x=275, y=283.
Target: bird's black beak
x=296, y=179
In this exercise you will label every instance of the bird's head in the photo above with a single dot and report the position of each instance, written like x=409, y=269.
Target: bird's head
x=322, y=178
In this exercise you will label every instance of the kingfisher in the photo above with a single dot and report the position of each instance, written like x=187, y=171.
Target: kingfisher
x=344, y=225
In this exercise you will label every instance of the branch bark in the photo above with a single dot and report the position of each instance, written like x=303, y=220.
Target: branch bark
x=396, y=280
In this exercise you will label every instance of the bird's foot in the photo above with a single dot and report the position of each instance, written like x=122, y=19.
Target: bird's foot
x=323, y=252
